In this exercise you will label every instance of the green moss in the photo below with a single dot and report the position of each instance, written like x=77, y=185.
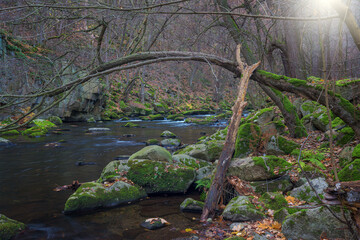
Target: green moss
x=337, y=122
x=122, y=104
x=287, y=146
x=10, y=133
x=35, y=132
x=131, y=125
x=356, y=152
x=247, y=140
x=156, y=117
x=346, y=82
x=56, y=120
x=158, y=177
x=300, y=130
x=9, y=227
x=271, y=162
x=152, y=141
x=274, y=201
x=350, y=172
x=345, y=136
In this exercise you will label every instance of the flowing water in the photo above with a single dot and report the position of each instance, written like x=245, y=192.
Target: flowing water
x=29, y=171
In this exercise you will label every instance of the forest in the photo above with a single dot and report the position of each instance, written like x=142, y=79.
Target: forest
x=180, y=119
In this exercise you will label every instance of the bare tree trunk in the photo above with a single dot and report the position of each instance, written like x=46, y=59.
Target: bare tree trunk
x=228, y=150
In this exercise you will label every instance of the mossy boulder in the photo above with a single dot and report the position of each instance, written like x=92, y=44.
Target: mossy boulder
x=258, y=168
x=308, y=107
x=350, y=172
x=131, y=125
x=278, y=145
x=171, y=142
x=191, y=205
x=345, y=136
x=156, y=117
x=356, y=152
x=247, y=140
x=160, y=177
x=10, y=133
x=190, y=161
x=273, y=128
x=35, y=132
x=43, y=124
x=175, y=117
x=274, y=200
x=241, y=209
x=312, y=224
x=345, y=156
x=55, y=120
x=168, y=134
x=282, y=184
x=113, y=170
x=9, y=227
x=208, y=151
x=152, y=141
x=90, y=196
x=154, y=153
x=305, y=193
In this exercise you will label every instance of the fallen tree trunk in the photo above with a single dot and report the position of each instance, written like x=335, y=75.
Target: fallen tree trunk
x=215, y=190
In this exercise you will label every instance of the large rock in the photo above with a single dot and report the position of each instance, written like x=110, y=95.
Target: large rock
x=159, y=176
x=170, y=142
x=278, y=145
x=114, y=169
x=154, y=153
x=208, y=151
x=9, y=227
x=168, y=134
x=204, y=172
x=191, y=205
x=241, y=209
x=258, y=168
x=189, y=161
x=90, y=196
x=350, y=172
x=312, y=223
x=282, y=184
x=304, y=192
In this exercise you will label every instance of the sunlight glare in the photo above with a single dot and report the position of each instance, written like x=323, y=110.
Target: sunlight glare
x=324, y=4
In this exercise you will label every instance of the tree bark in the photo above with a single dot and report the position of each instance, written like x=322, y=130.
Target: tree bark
x=228, y=150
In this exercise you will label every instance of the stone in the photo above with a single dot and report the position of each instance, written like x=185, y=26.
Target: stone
x=9, y=227
x=350, y=172
x=190, y=161
x=345, y=156
x=152, y=141
x=240, y=209
x=191, y=205
x=131, y=125
x=168, y=134
x=308, y=107
x=247, y=139
x=55, y=120
x=312, y=223
x=274, y=200
x=154, y=223
x=257, y=168
x=171, y=142
x=155, y=153
x=204, y=172
x=90, y=196
x=113, y=170
x=160, y=176
x=278, y=145
x=282, y=184
x=305, y=193
x=356, y=152
x=98, y=129
x=5, y=142
x=209, y=151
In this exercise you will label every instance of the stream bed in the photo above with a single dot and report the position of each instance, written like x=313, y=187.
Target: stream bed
x=29, y=171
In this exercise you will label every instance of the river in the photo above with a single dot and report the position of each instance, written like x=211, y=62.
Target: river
x=29, y=171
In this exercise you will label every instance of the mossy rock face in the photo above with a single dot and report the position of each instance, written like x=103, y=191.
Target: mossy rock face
x=247, y=140
x=171, y=142
x=305, y=193
x=312, y=223
x=9, y=227
x=220, y=135
x=10, y=133
x=258, y=168
x=160, y=177
x=356, y=152
x=152, y=141
x=191, y=205
x=208, y=151
x=90, y=196
x=350, y=172
x=55, y=120
x=131, y=125
x=345, y=136
x=241, y=209
x=43, y=124
x=273, y=128
x=282, y=184
x=189, y=161
x=154, y=153
x=308, y=107
x=114, y=169
x=274, y=201
x=279, y=145
x=168, y=134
